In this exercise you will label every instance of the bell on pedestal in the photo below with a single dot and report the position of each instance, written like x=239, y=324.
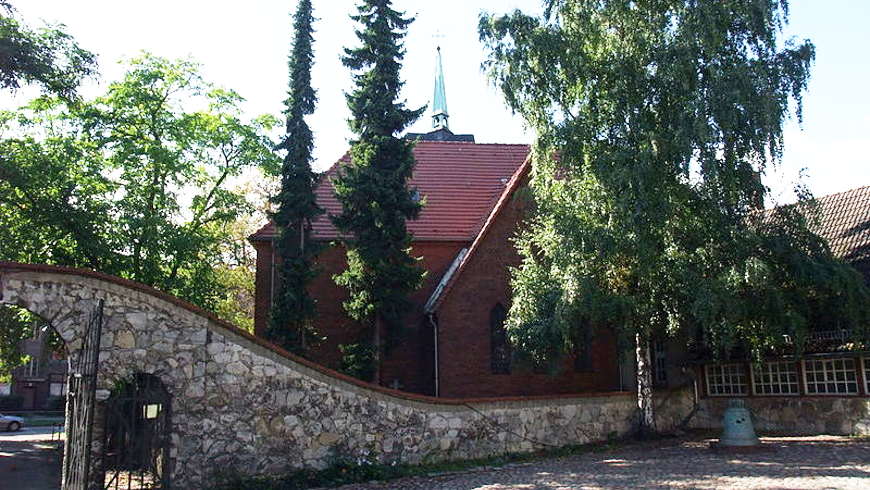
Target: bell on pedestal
x=737, y=427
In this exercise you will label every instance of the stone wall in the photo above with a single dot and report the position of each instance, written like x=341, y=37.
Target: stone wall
x=805, y=415
x=794, y=414
x=240, y=404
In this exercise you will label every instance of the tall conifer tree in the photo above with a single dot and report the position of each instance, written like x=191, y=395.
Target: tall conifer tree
x=293, y=307
x=373, y=187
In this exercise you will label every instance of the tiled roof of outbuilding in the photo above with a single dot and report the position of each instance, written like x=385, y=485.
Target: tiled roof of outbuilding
x=460, y=181
x=844, y=221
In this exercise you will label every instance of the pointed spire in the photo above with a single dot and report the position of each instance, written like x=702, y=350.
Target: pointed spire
x=439, y=100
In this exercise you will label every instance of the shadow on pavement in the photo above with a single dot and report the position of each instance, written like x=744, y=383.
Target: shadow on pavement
x=29, y=465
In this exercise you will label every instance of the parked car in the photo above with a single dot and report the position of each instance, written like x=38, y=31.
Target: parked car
x=11, y=423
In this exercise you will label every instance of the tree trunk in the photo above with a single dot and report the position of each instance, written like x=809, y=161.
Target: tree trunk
x=302, y=324
x=647, y=423
x=377, y=348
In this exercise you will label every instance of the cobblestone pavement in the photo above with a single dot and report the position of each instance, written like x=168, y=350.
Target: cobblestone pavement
x=785, y=463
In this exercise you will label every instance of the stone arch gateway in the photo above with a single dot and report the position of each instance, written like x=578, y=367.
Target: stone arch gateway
x=243, y=405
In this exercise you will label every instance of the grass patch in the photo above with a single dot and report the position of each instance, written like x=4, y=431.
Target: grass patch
x=344, y=472
x=42, y=421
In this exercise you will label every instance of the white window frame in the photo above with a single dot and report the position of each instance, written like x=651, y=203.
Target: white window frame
x=31, y=368
x=796, y=384
x=62, y=388
x=746, y=379
x=855, y=365
x=660, y=362
x=865, y=369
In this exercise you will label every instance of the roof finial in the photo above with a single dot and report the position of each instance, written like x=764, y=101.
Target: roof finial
x=439, y=101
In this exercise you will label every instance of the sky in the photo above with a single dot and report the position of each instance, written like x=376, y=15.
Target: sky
x=244, y=46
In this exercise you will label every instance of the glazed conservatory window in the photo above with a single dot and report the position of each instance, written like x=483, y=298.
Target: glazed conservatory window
x=660, y=364
x=866, y=362
x=726, y=379
x=830, y=376
x=775, y=378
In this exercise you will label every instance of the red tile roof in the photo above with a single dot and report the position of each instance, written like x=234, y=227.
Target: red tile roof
x=460, y=181
x=517, y=179
x=844, y=221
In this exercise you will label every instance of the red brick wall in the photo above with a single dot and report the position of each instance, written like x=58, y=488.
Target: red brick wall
x=464, y=330
x=463, y=317
x=262, y=287
x=411, y=363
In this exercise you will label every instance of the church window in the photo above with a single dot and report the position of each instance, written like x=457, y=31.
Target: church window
x=583, y=352
x=500, y=349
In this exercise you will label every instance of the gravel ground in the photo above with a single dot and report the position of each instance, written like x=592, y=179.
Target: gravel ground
x=784, y=463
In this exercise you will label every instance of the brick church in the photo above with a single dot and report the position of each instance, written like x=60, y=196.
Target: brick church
x=454, y=344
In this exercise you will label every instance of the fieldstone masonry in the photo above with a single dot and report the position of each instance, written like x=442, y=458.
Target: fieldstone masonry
x=239, y=404
x=795, y=414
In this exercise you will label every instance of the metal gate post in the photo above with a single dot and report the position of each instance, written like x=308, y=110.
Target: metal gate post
x=80, y=407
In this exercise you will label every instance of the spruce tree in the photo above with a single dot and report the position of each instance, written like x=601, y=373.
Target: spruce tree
x=293, y=308
x=373, y=186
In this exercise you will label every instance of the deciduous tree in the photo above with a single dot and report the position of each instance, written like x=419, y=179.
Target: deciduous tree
x=652, y=120
x=48, y=57
x=136, y=183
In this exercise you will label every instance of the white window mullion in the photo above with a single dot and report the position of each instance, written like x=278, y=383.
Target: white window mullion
x=865, y=366
x=727, y=380
x=775, y=378
x=831, y=376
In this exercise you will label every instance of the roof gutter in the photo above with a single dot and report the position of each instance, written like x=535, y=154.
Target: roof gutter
x=429, y=310
x=433, y=299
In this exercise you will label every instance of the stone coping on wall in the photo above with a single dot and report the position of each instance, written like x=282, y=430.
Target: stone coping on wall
x=317, y=371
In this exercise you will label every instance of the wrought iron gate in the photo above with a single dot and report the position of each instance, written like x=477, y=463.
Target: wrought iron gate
x=82, y=385
x=137, y=430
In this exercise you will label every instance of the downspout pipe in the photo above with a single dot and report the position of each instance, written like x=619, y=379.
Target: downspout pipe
x=273, y=265
x=434, y=322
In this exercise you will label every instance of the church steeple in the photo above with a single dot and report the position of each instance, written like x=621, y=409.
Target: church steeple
x=439, y=100
x=440, y=130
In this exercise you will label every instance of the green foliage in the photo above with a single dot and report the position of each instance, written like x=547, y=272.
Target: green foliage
x=345, y=471
x=358, y=360
x=11, y=402
x=15, y=327
x=293, y=309
x=52, y=403
x=135, y=183
x=661, y=113
x=337, y=474
x=48, y=57
x=235, y=302
x=373, y=187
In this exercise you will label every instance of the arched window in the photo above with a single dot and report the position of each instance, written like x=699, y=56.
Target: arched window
x=499, y=347
x=583, y=352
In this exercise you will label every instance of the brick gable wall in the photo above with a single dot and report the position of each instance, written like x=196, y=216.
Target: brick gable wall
x=408, y=366
x=464, y=328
